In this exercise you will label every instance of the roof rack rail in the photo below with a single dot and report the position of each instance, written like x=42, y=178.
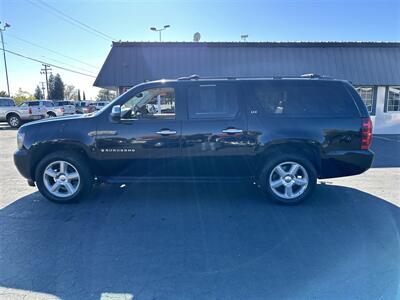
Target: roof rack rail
x=310, y=75
x=191, y=77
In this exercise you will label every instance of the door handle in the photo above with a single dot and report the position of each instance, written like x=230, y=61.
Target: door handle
x=232, y=130
x=166, y=132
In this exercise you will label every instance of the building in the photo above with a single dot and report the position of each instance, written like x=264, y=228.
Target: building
x=372, y=67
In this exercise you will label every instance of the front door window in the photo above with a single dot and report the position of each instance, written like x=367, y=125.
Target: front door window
x=157, y=103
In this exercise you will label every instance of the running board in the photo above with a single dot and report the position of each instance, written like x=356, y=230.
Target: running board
x=128, y=179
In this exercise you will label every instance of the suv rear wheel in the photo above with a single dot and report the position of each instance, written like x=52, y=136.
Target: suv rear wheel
x=63, y=177
x=14, y=120
x=288, y=179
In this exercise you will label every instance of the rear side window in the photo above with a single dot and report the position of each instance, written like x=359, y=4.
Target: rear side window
x=34, y=103
x=212, y=101
x=6, y=102
x=304, y=99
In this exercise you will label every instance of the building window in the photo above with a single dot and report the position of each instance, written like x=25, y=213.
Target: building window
x=368, y=96
x=393, y=99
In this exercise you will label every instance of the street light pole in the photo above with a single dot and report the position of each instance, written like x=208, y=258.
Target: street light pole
x=4, y=54
x=159, y=30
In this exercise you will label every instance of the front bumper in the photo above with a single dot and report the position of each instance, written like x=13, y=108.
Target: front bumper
x=345, y=163
x=22, y=161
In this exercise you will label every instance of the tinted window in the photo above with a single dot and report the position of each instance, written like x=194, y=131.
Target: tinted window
x=33, y=103
x=212, y=101
x=6, y=102
x=304, y=99
x=48, y=104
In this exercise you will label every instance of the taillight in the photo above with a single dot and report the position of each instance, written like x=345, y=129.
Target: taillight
x=366, y=131
x=30, y=110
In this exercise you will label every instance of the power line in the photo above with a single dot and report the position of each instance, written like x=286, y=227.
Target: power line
x=72, y=20
x=66, y=64
x=43, y=62
x=53, y=51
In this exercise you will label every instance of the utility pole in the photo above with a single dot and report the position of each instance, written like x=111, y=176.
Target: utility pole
x=45, y=70
x=43, y=88
x=4, y=54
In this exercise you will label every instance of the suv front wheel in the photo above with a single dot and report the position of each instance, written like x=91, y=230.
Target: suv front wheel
x=63, y=177
x=288, y=179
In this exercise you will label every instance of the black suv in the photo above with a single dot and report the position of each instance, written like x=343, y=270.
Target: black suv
x=283, y=133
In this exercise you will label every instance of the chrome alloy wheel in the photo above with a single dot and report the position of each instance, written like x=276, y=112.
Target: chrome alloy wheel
x=61, y=179
x=288, y=180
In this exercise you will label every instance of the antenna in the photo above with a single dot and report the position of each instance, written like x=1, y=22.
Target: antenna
x=196, y=37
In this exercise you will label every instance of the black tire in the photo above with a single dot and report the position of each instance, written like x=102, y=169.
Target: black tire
x=14, y=120
x=269, y=167
x=51, y=114
x=78, y=162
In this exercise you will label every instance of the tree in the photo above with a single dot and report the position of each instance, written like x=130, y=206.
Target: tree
x=84, y=96
x=69, y=92
x=56, y=87
x=38, y=93
x=3, y=94
x=105, y=94
x=21, y=96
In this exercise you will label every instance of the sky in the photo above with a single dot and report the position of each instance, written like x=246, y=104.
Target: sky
x=35, y=25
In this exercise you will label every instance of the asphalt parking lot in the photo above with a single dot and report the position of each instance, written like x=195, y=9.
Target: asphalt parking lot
x=205, y=241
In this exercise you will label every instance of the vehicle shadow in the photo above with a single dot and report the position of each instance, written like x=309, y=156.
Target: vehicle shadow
x=187, y=241
x=386, y=148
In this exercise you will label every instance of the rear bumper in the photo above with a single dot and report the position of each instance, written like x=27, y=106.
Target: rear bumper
x=345, y=163
x=22, y=161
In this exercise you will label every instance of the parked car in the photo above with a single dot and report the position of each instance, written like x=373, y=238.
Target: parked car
x=84, y=107
x=16, y=115
x=68, y=107
x=45, y=106
x=282, y=133
x=100, y=104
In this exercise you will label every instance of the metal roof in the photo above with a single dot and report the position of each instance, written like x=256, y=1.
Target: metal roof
x=363, y=63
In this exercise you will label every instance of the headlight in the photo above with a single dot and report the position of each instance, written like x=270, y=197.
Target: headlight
x=20, y=140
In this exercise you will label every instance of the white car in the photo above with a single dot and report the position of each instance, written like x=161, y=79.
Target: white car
x=47, y=106
x=68, y=107
x=16, y=115
x=100, y=104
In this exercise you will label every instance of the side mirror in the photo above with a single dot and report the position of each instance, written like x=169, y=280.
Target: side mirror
x=116, y=113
